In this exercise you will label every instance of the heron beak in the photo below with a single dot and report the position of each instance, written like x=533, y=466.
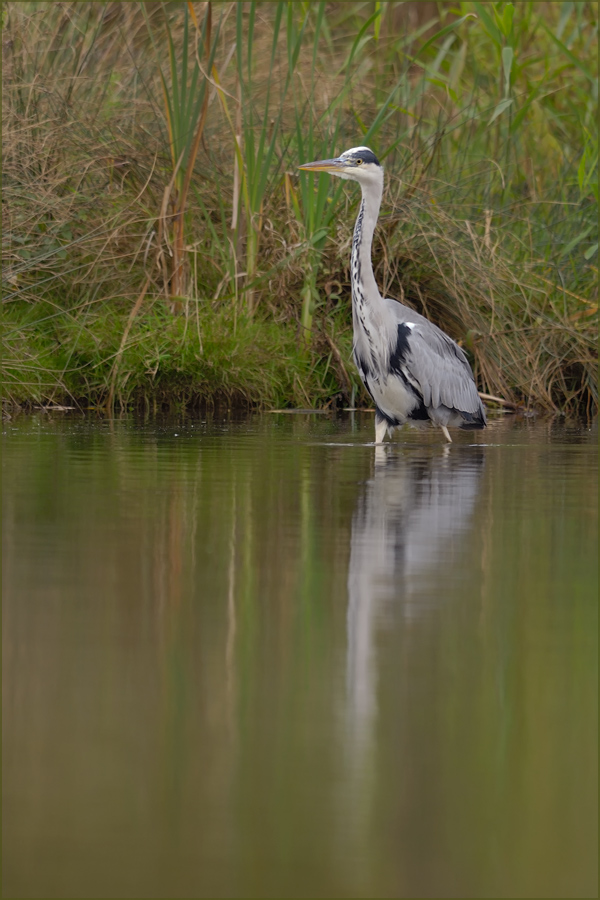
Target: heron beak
x=325, y=165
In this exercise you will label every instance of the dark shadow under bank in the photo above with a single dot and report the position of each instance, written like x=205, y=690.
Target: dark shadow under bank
x=224, y=416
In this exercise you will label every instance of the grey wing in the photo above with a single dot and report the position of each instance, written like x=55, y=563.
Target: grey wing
x=434, y=362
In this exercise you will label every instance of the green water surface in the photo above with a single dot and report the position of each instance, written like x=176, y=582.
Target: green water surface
x=260, y=658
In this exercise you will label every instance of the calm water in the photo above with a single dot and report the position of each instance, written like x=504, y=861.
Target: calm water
x=258, y=658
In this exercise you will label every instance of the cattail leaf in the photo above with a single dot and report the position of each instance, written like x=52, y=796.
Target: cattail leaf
x=502, y=107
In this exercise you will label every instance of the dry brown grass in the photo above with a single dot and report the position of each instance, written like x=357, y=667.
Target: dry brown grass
x=85, y=166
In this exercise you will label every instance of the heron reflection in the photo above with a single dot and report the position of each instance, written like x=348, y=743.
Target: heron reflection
x=412, y=524
x=411, y=521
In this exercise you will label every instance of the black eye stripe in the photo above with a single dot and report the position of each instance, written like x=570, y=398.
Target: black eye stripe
x=364, y=156
x=360, y=157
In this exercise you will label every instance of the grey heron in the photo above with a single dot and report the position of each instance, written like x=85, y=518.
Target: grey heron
x=413, y=371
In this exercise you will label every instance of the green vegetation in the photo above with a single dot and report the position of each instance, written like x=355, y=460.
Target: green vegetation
x=159, y=245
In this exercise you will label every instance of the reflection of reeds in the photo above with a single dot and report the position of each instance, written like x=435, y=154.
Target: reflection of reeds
x=128, y=129
x=486, y=702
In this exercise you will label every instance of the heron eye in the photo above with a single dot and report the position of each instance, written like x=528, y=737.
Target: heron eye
x=359, y=162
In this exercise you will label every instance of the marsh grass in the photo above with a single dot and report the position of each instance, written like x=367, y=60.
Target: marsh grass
x=167, y=360
x=487, y=127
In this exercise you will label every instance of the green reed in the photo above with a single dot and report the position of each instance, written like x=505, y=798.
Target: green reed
x=185, y=96
x=143, y=147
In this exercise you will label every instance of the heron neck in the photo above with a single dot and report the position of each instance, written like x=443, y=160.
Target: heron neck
x=363, y=279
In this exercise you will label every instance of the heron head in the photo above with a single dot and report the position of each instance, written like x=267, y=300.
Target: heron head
x=359, y=163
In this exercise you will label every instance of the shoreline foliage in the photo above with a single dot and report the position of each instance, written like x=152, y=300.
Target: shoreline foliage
x=159, y=245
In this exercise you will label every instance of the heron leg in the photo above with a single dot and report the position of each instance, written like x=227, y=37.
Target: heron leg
x=446, y=433
x=380, y=429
